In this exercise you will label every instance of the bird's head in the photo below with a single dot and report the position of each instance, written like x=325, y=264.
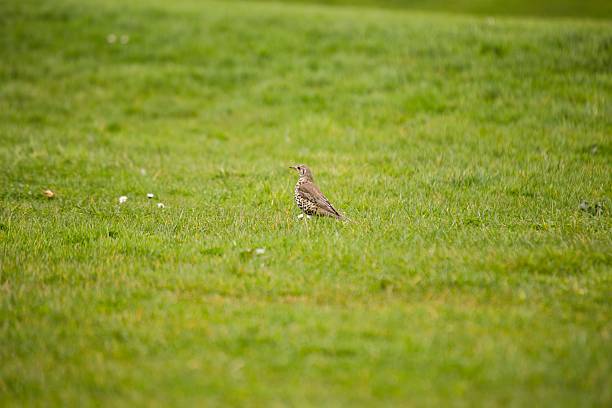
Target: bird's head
x=303, y=170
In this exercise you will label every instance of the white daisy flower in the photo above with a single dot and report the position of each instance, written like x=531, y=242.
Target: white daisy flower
x=150, y=195
x=161, y=205
x=260, y=251
x=122, y=199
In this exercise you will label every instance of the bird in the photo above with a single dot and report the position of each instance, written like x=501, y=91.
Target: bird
x=309, y=198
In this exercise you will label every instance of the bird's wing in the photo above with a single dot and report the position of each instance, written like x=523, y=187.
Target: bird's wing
x=312, y=193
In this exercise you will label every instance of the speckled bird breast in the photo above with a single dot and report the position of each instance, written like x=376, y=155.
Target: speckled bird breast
x=305, y=205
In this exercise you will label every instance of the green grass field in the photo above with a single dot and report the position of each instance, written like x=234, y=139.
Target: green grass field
x=601, y=9
x=460, y=146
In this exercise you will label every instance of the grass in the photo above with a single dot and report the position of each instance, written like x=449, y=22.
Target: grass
x=600, y=9
x=461, y=147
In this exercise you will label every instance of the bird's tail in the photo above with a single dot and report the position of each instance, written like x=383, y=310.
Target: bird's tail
x=343, y=218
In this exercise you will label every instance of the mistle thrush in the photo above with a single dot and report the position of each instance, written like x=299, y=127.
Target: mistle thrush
x=309, y=198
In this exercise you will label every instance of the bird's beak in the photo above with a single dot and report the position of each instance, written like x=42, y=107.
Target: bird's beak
x=293, y=167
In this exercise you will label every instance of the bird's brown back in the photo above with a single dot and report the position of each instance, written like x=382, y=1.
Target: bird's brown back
x=308, y=190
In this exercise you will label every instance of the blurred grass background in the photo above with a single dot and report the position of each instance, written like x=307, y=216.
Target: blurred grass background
x=461, y=146
x=600, y=9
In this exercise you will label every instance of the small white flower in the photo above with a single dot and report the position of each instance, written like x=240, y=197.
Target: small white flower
x=150, y=195
x=111, y=38
x=300, y=216
x=161, y=205
x=143, y=172
x=122, y=199
x=124, y=39
x=260, y=251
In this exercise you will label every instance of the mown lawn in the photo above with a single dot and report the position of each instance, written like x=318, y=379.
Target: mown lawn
x=599, y=9
x=461, y=148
